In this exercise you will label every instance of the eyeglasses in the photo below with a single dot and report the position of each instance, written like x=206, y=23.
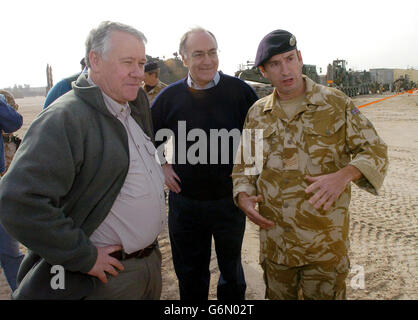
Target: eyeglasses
x=199, y=55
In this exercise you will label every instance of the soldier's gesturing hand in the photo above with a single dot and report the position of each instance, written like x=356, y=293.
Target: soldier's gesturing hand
x=329, y=187
x=247, y=204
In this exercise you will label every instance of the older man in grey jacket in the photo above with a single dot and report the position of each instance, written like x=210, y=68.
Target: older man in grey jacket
x=85, y=193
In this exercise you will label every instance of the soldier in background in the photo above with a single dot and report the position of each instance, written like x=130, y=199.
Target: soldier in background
x=63, y=86
x=152, y=84
x=314, y=140
x=11, y=141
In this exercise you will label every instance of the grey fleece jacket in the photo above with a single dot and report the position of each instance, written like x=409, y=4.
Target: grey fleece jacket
x=66, y=175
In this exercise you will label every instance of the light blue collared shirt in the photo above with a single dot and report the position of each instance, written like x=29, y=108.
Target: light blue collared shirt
x=211, y=84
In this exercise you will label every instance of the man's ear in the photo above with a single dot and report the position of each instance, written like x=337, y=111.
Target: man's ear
x=95, y=60
x=263, y=71
x=185, y=60
x=300, y=57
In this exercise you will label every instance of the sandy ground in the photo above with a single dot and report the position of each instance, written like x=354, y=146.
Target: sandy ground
x=383, y=229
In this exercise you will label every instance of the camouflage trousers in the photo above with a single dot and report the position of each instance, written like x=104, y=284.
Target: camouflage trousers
x=310, y=282
x=9, y=152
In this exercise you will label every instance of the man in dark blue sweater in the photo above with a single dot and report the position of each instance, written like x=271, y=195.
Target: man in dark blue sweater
x=205, y=113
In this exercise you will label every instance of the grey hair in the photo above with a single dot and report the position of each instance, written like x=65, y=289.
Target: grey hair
x=183, y=40
x=98, y=38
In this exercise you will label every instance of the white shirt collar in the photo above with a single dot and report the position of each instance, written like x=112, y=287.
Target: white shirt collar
x=211, y=84
x=115, y=108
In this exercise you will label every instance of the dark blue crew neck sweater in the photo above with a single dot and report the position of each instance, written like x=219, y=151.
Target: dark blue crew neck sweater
x=223, y=106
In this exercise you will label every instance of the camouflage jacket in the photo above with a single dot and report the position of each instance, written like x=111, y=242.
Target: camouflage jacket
x=11, y=101
x=327, y=133
x=10, y=140
x=153, y=93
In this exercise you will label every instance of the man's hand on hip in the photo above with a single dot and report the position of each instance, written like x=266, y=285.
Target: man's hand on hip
x=247, y=204
x=330, y=186
x=170, y=178
x=106, y=263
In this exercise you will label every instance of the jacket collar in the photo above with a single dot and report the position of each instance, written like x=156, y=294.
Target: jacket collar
x=93, y=96
x=90, y=94
x=313, y=97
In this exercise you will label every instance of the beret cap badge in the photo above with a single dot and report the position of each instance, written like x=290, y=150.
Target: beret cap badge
x=292, y=41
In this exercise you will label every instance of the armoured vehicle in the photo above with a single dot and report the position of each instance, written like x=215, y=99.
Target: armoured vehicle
x=403, y=84
x=352, y=83
x=249, y=72
x=252, y=75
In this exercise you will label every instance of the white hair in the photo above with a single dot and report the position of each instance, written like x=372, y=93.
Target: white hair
x=98, y=38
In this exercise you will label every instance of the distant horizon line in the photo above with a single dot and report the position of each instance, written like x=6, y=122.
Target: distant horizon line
x=37, y=86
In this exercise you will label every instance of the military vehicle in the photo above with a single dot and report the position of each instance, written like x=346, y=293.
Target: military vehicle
x=252, y=75
x=249, y=72
x=403, y=84
x=352, y=83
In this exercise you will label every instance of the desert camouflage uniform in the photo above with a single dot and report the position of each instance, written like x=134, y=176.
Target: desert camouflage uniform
x=8, y=138
x=327, y=133
x=152, y=94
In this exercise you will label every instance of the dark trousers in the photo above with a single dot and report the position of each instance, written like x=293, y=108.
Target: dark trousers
x=192, y=223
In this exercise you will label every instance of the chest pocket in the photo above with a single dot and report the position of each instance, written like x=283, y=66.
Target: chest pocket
x=269, y=141
x=272, y=147
x=153, y=158
x=324, y=139
x=255, y=148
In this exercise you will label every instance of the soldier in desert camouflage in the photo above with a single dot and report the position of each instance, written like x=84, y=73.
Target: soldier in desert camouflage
x=314, y=143
x=11, y=141
x=152, y=84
